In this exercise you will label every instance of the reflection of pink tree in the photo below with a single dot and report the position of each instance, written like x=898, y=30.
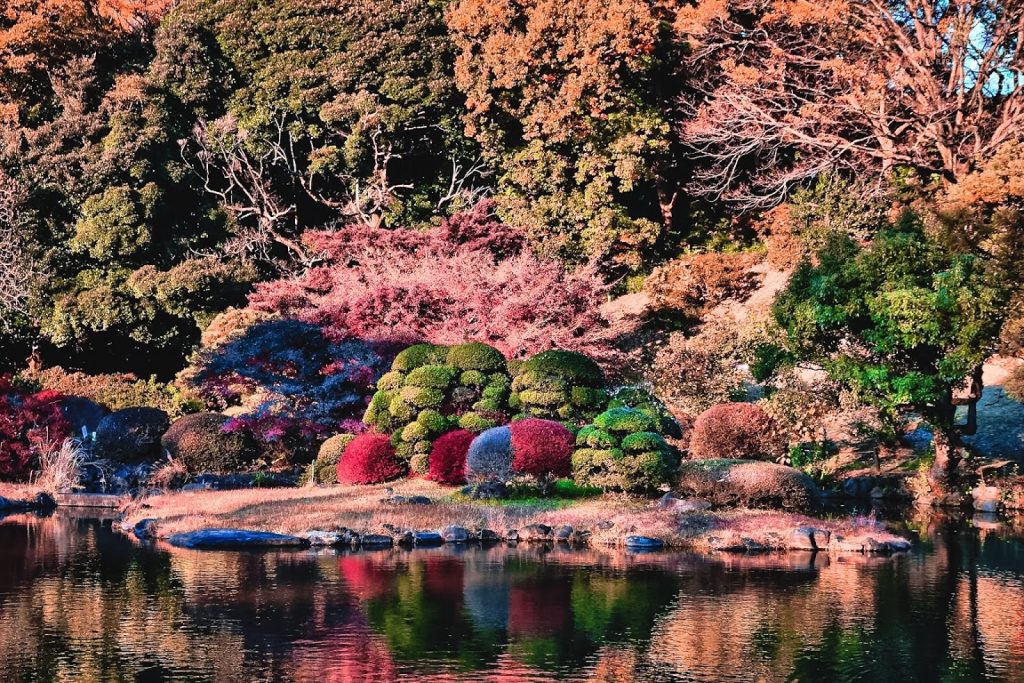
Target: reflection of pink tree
x=365, y=579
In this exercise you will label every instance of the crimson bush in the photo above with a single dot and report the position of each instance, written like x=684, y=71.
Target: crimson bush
x=448, y=457
x=27, y=422
x=736, y=430
x=369, y=459
x=541, y=448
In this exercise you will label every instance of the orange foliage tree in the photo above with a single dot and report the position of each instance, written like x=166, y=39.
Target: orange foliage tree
x=572, y=101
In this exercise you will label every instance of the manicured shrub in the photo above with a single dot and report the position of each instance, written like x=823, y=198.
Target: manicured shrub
x=559, y=385
x=131, y=435
x=490, y=456
x=642, y=399
x=736, y=430
x=623, y=449
x=324, y=470
x=29, y=422
x=369, y=459
x=448, y=457
x=431, y=390
x=541, y=448
x=288, y=384
x=201, y=444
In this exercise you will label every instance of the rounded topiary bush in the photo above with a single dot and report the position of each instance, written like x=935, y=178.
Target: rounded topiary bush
x=642, y=399
x=623, y=449
x=200, y=443
x=448, y=457
x=324, y=469
x=736, y=431
x=369, y=459
x=130, y=435
x=490, y=456
x=541, y=448
x=434, y=389
x=559, y=385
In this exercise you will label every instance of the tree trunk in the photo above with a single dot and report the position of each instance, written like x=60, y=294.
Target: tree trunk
x=942, y=475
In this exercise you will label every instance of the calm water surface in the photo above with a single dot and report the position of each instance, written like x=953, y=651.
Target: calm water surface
x=81, y=602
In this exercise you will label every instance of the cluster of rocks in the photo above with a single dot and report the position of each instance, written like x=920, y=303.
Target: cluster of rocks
x=814, y=540
x=876, y=488
x=41, y=502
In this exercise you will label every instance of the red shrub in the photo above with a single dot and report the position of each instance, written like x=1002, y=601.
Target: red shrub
x=28, y=422
x=736, y=430
x=541, y=448
x=448, y=457
x=369, y=459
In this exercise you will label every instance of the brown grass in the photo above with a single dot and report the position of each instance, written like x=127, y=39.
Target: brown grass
x=360, y=509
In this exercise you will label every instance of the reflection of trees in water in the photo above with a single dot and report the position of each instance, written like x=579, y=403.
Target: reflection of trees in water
x=79, y=601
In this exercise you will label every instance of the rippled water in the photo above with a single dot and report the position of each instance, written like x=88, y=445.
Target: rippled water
x=80, y=602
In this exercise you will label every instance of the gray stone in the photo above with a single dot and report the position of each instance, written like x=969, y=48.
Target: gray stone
x=455, y=534
x=801, y=539
x=986, y=498
x=535, y=532
x=564, y=533
x=145, y=529
x=487, y=536
x=752, y=546
x=236, y=538
x=323, y=538
x=512, y=535
x=605, y=525
x=668, y=501
x=644, y=543
x=858, y=487
x=376, y=541
x=419, y=500
x=692, y=505
x=427, y=538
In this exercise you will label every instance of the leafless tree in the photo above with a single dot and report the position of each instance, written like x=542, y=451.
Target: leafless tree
x=789, y=90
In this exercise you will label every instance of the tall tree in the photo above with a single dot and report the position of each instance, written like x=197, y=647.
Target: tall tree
x=902, y=322
x=794, y=88
x=574, y=104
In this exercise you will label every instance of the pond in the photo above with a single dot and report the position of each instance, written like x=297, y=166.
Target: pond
x=82, y=602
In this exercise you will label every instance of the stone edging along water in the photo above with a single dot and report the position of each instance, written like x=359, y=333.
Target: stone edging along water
x=801, y=539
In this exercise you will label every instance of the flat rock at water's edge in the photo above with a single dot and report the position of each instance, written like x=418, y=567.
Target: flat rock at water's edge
x=236, y=538
x=644, y=543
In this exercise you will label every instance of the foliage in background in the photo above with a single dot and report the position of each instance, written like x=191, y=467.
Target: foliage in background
x=117, y=391
x=468, y=279
x=583, y=137
x=288, y=383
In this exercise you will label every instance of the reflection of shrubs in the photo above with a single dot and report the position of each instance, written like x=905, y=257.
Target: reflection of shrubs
x=624, y=449
x=200, y=443
x=448, y=457
x=130, y=435
x=433, y=389
x=287, y=384
x=28, y=424
x=369, y=459
x=541, y=448
x=559, y=385
x=735, y=430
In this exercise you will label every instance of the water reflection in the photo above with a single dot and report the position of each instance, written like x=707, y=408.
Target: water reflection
x=81, y=602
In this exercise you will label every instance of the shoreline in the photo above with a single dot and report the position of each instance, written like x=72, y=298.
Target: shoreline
x=399, y=515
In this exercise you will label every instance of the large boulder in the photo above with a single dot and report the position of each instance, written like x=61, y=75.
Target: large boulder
x=235, y=539
x=83, y=414
x=747, y=483
x=201, y=444
x=131, y=435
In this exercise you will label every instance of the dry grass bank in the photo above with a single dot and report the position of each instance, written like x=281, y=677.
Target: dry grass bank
x=360, y=508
